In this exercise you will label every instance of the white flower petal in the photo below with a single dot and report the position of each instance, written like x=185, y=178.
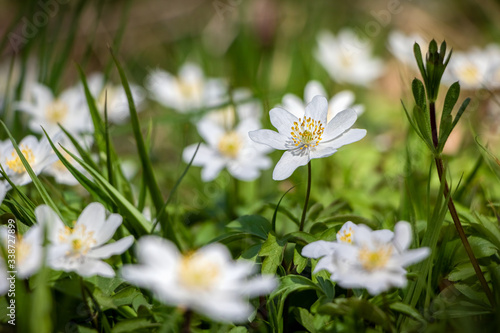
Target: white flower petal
x=210, y=131
x=282, y=120
x=402, y=235
x=413, y=256
x=317, y=109
x=318, y=249
x=211, y=170
x=92, y=217
x=204, y=155
x=270, y=138
x=313, y=88
x=339, y=124
x=291, y=160
x=111, y=249
x=95, y=267
x=294, y=105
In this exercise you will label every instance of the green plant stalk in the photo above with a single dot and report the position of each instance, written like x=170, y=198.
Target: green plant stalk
x=453, y=211
x=308, y=192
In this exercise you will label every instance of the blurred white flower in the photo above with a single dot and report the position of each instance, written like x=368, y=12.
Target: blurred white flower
x=244, y=107
x=28, y=249
x=207, y=281
x=115, y=98
x=39, y=155
x=472, y=69
x=374, y=260
x=401, y=46
x=81, y=249
x=231, y=149
x=339, y=102
x=308, y=136
x=347, y=58
x=47, y=111
x=187, y=92
x=57, y=169
x=493, y=78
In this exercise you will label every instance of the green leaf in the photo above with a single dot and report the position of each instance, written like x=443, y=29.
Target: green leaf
x=135, y=324
x=418, y=90
x=272, y=250
x=147, y=167
x=135, y=222
x=451, y=98
x=292, y=283
x=406, y=310
x=298, y=260
x=420, y=63
x=305, y=318
x=252, y=224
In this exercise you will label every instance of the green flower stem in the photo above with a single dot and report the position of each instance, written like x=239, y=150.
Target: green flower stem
x=308, y=192
x=453, y=210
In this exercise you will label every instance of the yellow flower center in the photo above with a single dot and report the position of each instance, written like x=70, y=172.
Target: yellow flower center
x=197, y=273
x=307, y=133
x=375, y=259
x=106, y=97
x=57, y=111
x=79, y=238
x=469, y=74
x=23, y=249
x=346, y=235
x=190, y=89
x=15, y=163
x=346, y=61
x=230, y=144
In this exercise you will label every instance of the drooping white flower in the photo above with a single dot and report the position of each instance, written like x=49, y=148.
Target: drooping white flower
x=47, y=111
x=401, y=46
x=187, y=92
x=114, y=97
x=307, y=137
x=348, y=58
x=375, y=260
x=81, y=249
x=39, y=155
x=339, y=102
x=28, y=249
x=231, y=149
x=207, y=281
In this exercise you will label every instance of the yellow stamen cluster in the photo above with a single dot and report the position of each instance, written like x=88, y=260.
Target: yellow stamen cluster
x=80, y=239
x=230, y=144
x=15, y=163
x=195, y=272
x=307, y=133
x=346, y=235
x=57, y=111
x=375, y=259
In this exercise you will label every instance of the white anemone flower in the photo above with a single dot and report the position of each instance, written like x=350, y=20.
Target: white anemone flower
x=375, y=260
x=47, y=111
x=187, y=92
x=401, y=46
x=29, y=250
x=207, y=281
x=339, y=102
x=307, y=137
x=114, y=97
x=39, y=155
x=347, y=58
x=81, y=249
x=231, y=149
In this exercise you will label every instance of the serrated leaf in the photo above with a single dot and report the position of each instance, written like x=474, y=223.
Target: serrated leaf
x=272, y=250
x=298, y=260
